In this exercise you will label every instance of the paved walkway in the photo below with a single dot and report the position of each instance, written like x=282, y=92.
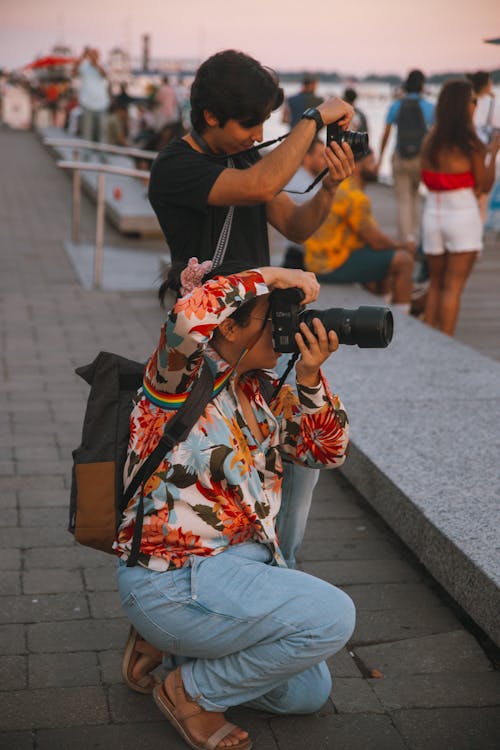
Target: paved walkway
x=413, y=677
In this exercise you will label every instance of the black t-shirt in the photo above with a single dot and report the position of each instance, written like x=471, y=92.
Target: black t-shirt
x=181, y=179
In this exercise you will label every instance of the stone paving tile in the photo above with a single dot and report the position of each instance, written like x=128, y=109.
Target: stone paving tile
x=400, y=624
x=67, y=557
x=352, y=549
x=346, y=572
x=456, y=652
x=141, y=736
x=53, y=707
x=383, y=596
x=43, y=608
x=10, y=583
x=450, y=728
x=12, y=640
x=343, y=665
x=439, y=690
x=12, y=674
x=51, y=581
x=63, y=670
x=77, y=635
x=105, y=604
x=346, y=732
x=17, y=740
x=110, y=664
x=10, y=559
x=102, y=578
x=353, y=695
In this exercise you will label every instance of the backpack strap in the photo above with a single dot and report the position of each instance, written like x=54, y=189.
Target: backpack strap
x=176, y=431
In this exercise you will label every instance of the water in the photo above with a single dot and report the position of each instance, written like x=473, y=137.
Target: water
x=374, y=99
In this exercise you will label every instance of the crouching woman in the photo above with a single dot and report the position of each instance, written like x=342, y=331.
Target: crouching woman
x=211, y=592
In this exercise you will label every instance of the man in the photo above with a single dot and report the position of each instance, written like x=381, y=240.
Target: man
x=304, y=99
x=93, y=95
x=192, y=187
x=312, y=164
x=359, y=121
x=412, y=115
x=350, y=247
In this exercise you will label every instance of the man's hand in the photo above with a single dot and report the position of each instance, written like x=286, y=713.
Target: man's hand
x=336, y=110
x=340, y=163
x=315, y=348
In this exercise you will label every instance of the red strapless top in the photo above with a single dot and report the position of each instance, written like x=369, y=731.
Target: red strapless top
x=440, y=181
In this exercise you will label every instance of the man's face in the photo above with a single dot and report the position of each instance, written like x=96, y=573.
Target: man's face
x=315, y=162
x=233, y=137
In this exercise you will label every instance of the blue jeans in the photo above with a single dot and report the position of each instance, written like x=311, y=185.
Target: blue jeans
x=253, y=633
x=296, y=496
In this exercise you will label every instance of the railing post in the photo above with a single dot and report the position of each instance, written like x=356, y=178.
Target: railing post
x=77, y=193
x=99, y=233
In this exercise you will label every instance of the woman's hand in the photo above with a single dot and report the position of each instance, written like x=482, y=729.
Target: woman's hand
x=285, y=278
x=314, y=348
x=340, y=162
x=336, y=110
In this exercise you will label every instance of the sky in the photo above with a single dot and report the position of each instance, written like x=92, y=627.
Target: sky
x=361, y=37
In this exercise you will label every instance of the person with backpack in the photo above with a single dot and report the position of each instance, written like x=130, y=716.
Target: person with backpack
x=412, y=115
x=211, y=590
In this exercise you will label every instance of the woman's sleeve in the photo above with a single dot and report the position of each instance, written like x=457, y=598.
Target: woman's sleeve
x=190, y=325
x=314, y=425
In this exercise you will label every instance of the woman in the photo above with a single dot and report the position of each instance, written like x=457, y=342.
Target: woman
x=456, y=169
x=211, y=586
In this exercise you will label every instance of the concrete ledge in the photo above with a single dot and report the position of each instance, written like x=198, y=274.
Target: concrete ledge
x=425, y=416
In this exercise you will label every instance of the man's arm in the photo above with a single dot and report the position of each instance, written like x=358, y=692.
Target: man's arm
x=373, y=236
x=298, y=221
x=264, y=180
x=383, y=142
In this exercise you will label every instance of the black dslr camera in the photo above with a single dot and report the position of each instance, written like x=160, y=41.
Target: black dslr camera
x=368, y=327
x=357, y=141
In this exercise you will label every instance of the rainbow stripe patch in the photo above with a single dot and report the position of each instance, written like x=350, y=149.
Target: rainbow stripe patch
x=173, y=401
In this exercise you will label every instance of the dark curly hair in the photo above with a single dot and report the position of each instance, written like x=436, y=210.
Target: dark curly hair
x=454, y=127
x=232, y=85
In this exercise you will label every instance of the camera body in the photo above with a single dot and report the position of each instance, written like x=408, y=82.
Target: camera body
x=368, y=327
x=357, y=141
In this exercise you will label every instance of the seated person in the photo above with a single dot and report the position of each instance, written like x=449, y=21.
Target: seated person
x=350, y=247
x=211, y=591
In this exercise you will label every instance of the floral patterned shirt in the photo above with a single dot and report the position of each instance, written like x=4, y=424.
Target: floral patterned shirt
x=220, y=486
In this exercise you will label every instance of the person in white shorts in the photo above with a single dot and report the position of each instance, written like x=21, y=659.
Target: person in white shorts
x=456, y=168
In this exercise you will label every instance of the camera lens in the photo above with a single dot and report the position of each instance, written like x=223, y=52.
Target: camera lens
x=357, y=141
x=368, y=327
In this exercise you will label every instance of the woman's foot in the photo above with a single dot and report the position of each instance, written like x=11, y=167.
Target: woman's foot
x=140, y=658
x=197, y=726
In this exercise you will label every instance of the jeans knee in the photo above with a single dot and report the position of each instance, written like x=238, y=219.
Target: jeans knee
x=342, y=620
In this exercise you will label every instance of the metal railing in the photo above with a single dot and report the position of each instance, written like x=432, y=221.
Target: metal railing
x=102, y=170
x=78, y=143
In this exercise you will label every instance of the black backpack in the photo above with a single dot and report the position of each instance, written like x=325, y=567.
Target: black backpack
x=411, y=128
x=97, y=497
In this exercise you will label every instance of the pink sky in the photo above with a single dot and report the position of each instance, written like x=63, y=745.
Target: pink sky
x=357, y=37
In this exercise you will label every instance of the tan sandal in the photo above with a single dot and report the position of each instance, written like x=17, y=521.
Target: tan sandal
x=133, y=652
x=184, y=708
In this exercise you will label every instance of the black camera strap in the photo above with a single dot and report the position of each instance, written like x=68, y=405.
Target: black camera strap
x=203, y=145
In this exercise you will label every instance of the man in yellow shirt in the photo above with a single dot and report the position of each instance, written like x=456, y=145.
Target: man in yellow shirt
x=350, y=247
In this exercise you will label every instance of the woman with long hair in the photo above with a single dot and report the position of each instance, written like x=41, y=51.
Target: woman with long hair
x=456, y=168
